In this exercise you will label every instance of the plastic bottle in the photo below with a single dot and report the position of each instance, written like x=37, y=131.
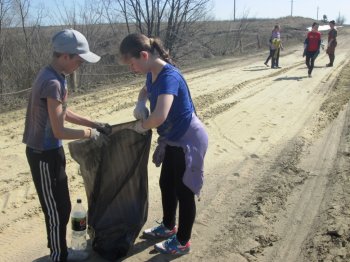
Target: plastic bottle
x=78, y=219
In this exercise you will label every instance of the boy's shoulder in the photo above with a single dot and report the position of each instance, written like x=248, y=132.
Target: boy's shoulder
x=47, y=73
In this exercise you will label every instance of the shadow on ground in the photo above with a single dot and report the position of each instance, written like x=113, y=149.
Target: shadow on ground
x=137, y=248
x=295, y=78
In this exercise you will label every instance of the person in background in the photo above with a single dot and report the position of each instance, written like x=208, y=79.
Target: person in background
x=275, y=47
x=46, y=115
x=332, y=43
x=312, y=46
x=182, y=141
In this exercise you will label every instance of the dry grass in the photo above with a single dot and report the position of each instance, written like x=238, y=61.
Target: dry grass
x=212, y=40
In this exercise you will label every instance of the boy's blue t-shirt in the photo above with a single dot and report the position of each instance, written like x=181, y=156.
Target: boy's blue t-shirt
x=170, y=81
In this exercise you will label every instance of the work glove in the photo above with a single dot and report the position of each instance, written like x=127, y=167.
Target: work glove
x=141, y=111
x=158, y=155
x=98, y=137
x=139, y=128
x=94, y=134
x=103, y=128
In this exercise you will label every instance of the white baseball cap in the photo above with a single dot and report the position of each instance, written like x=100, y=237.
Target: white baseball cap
x=71, y=41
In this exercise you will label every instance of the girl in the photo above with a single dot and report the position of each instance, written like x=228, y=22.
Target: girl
x=275, y=46
x=182, y=141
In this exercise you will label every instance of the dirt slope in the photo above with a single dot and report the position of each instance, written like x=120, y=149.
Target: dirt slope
x=277, y=168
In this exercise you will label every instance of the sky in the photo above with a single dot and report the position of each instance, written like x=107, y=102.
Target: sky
x=223, y=9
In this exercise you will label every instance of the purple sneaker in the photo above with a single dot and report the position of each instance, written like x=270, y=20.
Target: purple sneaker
x=173, y=246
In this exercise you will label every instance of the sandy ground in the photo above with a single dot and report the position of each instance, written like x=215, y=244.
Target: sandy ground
x=277, y=185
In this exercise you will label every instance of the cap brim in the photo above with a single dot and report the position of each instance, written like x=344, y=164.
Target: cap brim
x=90, y=57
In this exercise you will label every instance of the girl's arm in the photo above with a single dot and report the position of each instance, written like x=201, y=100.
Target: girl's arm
x=140, y=110
x=142, y=95
x=160, y=113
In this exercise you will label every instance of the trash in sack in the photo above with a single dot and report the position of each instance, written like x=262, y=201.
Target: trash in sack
x=116, y=183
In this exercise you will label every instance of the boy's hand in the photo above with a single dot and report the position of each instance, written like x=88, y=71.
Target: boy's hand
x=103, y=128
x=94, y=134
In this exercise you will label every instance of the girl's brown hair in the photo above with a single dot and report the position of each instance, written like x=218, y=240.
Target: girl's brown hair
x=133, y=44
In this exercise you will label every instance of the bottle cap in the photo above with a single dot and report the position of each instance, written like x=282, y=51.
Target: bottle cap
x=78, y=200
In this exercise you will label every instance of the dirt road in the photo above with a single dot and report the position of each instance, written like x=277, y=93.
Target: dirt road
x=277, y=184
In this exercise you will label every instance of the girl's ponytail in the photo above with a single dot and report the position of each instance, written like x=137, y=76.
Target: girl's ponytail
x=157, y=44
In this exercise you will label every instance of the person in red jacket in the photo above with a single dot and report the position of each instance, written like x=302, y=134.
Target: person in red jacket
x=312, y=45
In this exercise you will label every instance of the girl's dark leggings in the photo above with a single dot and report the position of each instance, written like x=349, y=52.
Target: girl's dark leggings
x=174, y=191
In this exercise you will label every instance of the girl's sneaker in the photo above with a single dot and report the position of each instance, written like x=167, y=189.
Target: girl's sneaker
x=173, y=246
x=159, y=232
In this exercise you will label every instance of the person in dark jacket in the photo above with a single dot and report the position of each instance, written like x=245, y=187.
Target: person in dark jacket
x=332, y=43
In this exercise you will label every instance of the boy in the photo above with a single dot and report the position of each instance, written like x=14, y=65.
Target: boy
x=332, y=43
x=44, y=130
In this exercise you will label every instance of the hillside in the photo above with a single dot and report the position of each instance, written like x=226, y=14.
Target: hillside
x=213, y=40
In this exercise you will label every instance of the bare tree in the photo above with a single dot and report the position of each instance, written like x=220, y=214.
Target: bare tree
x=92, y=17
x=173, y=17
x=324, y=19
x=5, y=21
x=111, y=13
x=88, y=18
x=23, y=49
x=147, y=14
x=124, y=11
x=64, y=15
x=341, y=19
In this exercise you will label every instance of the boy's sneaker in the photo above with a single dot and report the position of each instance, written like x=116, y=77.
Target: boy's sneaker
x=159, y=232
x=77, y=255
x=173, y=246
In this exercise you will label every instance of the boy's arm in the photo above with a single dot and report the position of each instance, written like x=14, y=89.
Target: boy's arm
x=319, y=43
x=57, y=117
x=74, y=118
x=332, y=38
